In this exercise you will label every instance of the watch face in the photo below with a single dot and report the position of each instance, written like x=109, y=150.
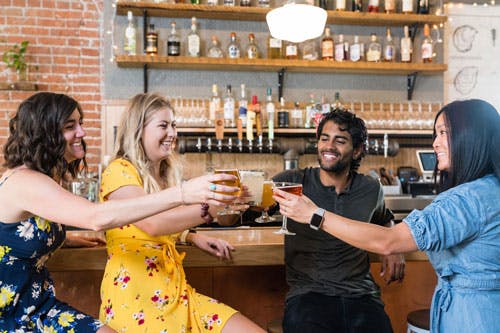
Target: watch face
x=316, y=221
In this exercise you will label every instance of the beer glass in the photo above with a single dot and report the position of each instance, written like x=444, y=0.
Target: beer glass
x=266, y=202
x=236, y=182
x=253, y=179
x=293, y=188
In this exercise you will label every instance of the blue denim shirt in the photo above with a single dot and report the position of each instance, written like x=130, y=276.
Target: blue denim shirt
x=460, y=231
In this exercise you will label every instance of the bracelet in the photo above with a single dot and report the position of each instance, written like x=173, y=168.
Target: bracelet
x=205, y=214
x=182, y=192
x=184, y=234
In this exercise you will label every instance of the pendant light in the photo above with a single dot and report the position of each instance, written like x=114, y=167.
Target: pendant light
x=296, y=22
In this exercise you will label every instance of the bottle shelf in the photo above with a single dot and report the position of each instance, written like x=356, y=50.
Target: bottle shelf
x=275, y=65
x=259, y=14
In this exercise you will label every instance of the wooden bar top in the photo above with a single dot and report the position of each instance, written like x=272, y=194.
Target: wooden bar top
x=254, y=246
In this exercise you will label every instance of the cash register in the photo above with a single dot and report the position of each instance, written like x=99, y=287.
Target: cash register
x=425, y=185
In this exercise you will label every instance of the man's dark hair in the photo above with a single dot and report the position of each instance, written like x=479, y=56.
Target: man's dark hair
x=347, y=121
x=473, y=138
x=36, y=135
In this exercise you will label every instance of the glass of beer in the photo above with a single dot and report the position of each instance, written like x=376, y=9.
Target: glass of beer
x=266, y=202
x=228, y=210
x=253, y=179
x=293, y=188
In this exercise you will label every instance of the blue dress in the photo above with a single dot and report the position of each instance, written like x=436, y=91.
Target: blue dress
x=27, y=298
x=460, y=231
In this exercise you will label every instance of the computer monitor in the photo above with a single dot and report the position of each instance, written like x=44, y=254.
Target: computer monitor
x=427, y=162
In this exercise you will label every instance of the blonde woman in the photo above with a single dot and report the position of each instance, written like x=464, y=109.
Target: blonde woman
x=144, y=288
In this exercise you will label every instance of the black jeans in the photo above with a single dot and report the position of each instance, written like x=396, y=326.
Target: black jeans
x=317, y=313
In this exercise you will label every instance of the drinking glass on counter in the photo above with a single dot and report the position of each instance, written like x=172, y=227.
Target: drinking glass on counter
x=266, y=202
x=228, y=210
x=293, y=188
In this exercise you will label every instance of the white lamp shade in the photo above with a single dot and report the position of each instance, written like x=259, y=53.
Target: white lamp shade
x=296, y=22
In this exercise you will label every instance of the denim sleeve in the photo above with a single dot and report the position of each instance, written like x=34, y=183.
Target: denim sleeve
x=449, y=220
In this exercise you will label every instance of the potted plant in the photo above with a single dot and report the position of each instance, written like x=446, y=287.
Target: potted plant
x=15, y=58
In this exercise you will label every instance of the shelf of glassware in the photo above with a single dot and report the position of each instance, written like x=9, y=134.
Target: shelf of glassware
x=259, y=14
x=274, y=65
x=307, y=131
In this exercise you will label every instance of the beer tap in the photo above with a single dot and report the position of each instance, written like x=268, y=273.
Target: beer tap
x=270, y=145
x=250, y=122
x=259, y=143
x=230, y=144
x=209, y=144
x=219, y=130
x=198, y=144
x=219, y=145
x=385, y=144
x=239, y=125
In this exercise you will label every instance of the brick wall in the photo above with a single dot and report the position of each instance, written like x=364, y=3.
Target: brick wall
x=65, y=45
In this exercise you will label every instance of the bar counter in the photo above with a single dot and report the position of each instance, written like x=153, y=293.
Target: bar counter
x=252, y=282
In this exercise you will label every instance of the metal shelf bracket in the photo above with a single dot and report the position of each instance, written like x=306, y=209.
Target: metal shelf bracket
x=411, y=78
x=281, y=84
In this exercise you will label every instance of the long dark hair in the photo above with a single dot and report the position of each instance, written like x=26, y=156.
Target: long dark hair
x=473, y=138
x=36, y=135
x=355, y=126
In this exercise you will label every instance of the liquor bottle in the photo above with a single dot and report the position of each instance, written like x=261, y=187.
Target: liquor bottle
x=233, y=49
x=407, y=6
x=340, y=49
x=373, y=6
x=229, y=3
x=195, y=2
x=263, y=3
x=406, y=46
x=212, y=2
x=309, y=50
x=422, y=6
x=243, y=106
x=426, y=47
x=215, y=51
x=323, y=4
x=229, y=107
x=214, y=105
x=252, y=48
x=173, y=42
x=389, y=47
x=327, y=46
x=390, y=6
x=283, y=115
x=310, y=112
x=340, y=5
x=274, y=48
x=296, y=117
x=337, y=103
x=291, y=50
x=152, y=41
x=270, y=110
x=130, y=45
x=245, y=3
x=355, y=50
x=374, y=49
x=193, y=40
x=357, y=5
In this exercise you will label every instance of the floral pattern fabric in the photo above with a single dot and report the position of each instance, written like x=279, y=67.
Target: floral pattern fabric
x=27, y=297
x=144, y=287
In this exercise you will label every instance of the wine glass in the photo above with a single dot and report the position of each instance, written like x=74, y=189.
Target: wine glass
x=266, y=202
x=293, y=188
x=228, y=210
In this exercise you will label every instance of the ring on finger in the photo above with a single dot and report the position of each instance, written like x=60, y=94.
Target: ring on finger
x=212, y=187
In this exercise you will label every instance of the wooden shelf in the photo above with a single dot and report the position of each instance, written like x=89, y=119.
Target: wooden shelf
x=275, y=65
x=259, y=14
x=308, y=131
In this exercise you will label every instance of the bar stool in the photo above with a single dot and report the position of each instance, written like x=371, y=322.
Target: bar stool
x=418, y=321
x=275, y=325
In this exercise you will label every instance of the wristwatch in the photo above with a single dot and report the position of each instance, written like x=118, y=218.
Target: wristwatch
x=317, y=219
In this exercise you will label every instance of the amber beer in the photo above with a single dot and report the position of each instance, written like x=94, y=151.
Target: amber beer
x=267, y=195
x=236, y=182
x=292, y=188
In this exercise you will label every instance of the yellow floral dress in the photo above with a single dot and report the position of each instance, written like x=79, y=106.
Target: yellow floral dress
x=144, y=288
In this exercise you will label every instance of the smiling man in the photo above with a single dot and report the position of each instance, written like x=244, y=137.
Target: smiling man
x=331, y=288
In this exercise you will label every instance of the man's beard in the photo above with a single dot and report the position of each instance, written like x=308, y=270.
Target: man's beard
x=336, y=168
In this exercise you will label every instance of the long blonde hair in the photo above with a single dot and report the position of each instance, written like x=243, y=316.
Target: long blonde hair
x=139, y=111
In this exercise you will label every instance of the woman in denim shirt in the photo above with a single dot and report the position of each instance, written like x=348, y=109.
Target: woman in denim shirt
x=459, y=230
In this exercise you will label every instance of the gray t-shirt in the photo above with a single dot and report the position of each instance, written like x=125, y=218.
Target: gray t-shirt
x=319, y=262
